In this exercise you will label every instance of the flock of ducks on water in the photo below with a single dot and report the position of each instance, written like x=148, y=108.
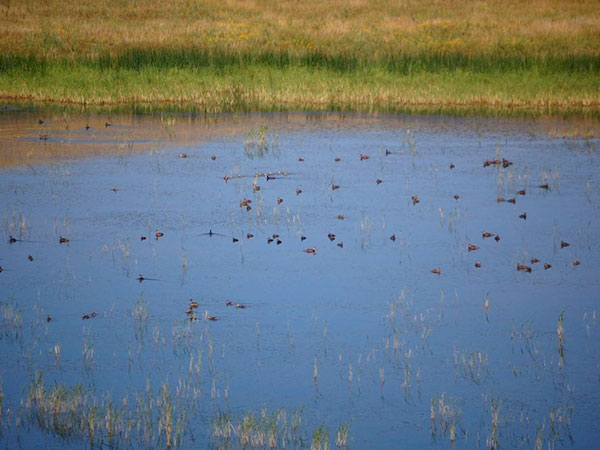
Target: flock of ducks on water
x=247, y=204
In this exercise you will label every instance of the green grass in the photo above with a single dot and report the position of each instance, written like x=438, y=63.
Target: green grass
x=492, y=57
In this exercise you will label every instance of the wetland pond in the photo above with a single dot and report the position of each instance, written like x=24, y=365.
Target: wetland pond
x=404, y=328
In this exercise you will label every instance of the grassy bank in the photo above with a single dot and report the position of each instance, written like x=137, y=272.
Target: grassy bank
x=541, y=57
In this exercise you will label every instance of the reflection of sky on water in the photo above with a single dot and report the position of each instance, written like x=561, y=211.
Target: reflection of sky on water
x=334, y=305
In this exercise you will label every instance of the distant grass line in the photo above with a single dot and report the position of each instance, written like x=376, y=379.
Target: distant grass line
x=404, y=64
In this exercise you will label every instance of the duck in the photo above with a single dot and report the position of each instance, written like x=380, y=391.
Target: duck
x=312, y=250
x=564, y=244
x=506, y=163
x=393, y=237
x=245, y=202
x=415, y=199
x=534, y=260
x=331, y=237
x=240, y=306
x=521, y=192
x=229, y=303
x=234, y=240
x=226, y=178
x=544, y=186
x=500, y=199
x=93, y=314
x=142, y=238
x=255, y=187
x=301, y=159
x=184, y=155
x=48, y=318
x=364, y=157
x=472, y=247
x=275, y=235
x=279, y=242
x=30, y=258
x=85, y=317
x=334, y=187
x=341, y=217
x=140, y=278
x=485, y=234
x=62, y=240
x=249, y=236
x=337, y=159
x=547, y=266
x=302, y=238
x=159, y=234
x=269, y=240
x=279, y=200
x=523, y=216
x=193, y=304
x=478, y=264
x=11, y=239
x=576, y=262
x=452, y=166
x=298, y=191
x=378, y=181
x=437, y=271
x=213, y=157
x=524, y=268
x=456, y=196
x=340, y=244
x=512, y=200
x=497, y=238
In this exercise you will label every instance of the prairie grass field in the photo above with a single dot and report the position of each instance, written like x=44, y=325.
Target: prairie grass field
x=539, y=57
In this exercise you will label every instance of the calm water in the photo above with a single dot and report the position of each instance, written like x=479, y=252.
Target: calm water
x=363, y=337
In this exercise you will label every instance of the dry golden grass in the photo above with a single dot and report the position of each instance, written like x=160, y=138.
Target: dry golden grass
x=89, y=28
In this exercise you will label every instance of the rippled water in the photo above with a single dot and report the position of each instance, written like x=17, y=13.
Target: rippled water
x=362, y=336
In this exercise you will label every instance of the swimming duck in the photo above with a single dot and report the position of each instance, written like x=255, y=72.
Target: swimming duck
x=302, y=238
x=340, y=217
x=523, y=216
x=393, y=237
x=340, y=244
x=312, y=250
x=159, y=234
x=213, y=157
x=456, y=196
x=142, y=238
x=378, y=181
x=331, y=237
x=249, y=236
x=524, y=268
x=229, y=303
x=234, y=239
x=275, y=235
x=11, y=239
x=337, y=159
x=279, y=200
x=415, y=199
x=240, y=306
x=485, y=234
x=478, y=264
x=576, y=262
x=140, y=278
x=544, y=186
x=62, y=240
x=363, y=157
x=85, y=317
x=184, y=155
x=245, y=202
x=500, y=199
x=534, y=260
x=334, y=187
x=452, y=166
x=279, y=242
x=564, y=244
x=269, y=240
x=512, y=200
x=497, y=238
x=506, y=163
x=301, y=159
x=255, y=187
x=48, y=318
x=93, y=314
x=547, y=266
x=193, y=304
x=472, y=247
x=298, y=191
x=521, y=192
x=437, y=271
x=30, y=258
